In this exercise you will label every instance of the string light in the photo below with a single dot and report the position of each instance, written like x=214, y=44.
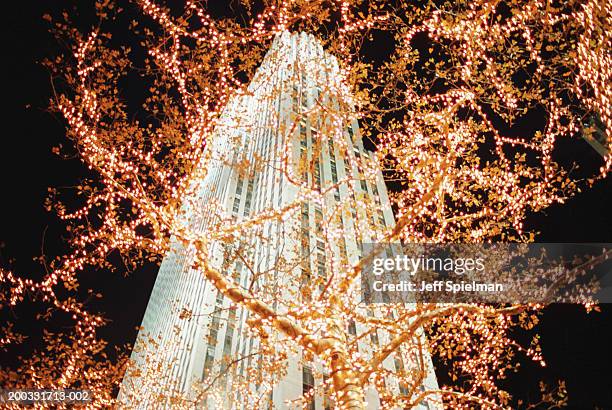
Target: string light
x=149, y=176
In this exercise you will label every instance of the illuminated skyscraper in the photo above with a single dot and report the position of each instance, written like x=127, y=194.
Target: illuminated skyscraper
x=272, y=142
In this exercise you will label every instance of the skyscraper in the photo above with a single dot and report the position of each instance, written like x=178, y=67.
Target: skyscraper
x=282, y=147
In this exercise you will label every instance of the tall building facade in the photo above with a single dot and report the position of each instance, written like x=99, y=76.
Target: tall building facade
x=283, y=146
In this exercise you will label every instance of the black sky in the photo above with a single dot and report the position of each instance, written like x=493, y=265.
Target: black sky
x=576, y=345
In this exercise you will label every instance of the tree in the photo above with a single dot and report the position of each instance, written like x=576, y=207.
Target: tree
x=440, y=110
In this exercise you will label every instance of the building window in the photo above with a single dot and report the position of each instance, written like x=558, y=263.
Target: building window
x=364, y=186
x=352, y=327
x=208, y=362
x=303, y=138
x=308, y=385
x=295, y=96
x=334, y=171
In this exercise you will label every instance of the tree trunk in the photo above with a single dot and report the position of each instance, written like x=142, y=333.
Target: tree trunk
x=345, y=380
x=349, y=391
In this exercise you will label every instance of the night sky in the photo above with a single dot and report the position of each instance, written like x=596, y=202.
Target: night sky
x=576, y=346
